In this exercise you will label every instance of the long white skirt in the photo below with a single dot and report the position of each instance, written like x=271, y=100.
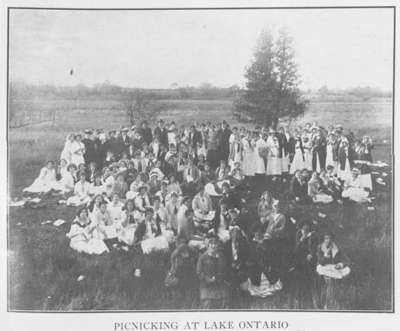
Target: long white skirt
x=307, y=159
x=356, y=194
x=249, y=163
x=274, y=166
x=155, y=244
x=330, y=270
x=285, y=163
x=41, y=186
x=297, y=162
x=346, y=173
x=329, y=160
x=91, y=246
x=260, y=164
x=265, y=288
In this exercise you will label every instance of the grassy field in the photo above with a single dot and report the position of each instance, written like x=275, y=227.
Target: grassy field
x=43, y=270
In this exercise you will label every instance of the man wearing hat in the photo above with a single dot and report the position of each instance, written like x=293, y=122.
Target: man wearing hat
x=211, y=269
x=145, y=132
x=224, y=141
x=161, y=133
x=124, y=141
x=90, y=154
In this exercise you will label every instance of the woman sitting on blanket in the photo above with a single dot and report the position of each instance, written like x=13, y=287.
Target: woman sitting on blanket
x=354, y=189
x=315, y=190
x=83, y=237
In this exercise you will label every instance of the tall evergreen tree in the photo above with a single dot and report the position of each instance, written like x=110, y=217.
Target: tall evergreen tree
x=272, y=83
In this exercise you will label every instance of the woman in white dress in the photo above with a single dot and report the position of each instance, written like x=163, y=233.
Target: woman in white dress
x=260, y=154
x=235, y=154
x=66, y=152
x=249, y=159
x=298, y=158
x=274, y=162
x=77, y=149
x=46, y=181
x=82, y=235
x=330, y=152
x=307, y=146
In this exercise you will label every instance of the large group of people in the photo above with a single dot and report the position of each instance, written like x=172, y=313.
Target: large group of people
x=183, y=189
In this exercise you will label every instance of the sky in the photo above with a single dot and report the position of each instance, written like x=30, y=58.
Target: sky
x=340, y=48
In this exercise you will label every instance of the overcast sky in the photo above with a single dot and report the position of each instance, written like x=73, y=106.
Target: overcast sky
x=153, y=49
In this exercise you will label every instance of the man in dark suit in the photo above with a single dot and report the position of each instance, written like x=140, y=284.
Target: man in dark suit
x=224, y=141
x=89, y=155
x=124, y=141
x=146, y=133
x=161, y=133
x=194, y=139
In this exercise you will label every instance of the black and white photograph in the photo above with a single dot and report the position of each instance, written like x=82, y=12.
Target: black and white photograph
x=200, y=159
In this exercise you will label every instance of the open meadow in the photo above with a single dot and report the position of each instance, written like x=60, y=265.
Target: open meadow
x=43, y=270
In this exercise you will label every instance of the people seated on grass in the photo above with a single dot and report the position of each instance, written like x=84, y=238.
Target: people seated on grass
x=81, y=192
x=83, y=235
x=163, y=194
x=316, y=190
x=354, y=189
